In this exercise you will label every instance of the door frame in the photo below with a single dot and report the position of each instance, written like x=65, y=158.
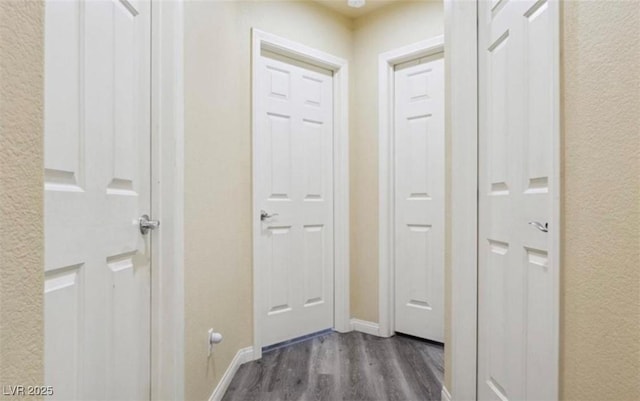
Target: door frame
x=167, y=201
x=461, y=66
x=340, y=68
x=386, y=171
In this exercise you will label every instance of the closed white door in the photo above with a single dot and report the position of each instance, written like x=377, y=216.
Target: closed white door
x=97, y=185
x=517, y=337
x=293, y=152
x=419, y=197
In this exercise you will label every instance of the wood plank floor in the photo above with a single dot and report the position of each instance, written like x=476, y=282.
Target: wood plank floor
x=352, y=366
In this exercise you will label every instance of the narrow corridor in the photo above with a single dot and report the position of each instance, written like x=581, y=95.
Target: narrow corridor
x=352, y=366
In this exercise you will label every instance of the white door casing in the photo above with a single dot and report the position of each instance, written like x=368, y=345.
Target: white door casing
x=167, y=188
x=97, y=184
x=387, y=63
x=518, y=186
x=419, y=197
x=340, y=83
x=294, y=182
x=461, y=64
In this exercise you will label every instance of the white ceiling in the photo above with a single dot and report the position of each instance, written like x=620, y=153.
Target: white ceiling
x=370, y=5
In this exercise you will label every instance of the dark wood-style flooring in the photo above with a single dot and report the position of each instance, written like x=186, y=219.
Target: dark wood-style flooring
x=352, y=366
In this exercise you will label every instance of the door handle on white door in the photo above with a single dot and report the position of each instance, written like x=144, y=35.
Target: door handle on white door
x=146, y=224
x=544, y=228
x=264, y=215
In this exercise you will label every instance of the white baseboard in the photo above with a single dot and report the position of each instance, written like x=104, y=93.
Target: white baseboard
x=365, y=327
x=242, y=356
x=446, y=396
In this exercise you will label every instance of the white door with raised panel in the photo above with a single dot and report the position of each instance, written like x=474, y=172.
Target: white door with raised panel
x=293, y=152
x=419, y=195
x=97, y=185
x=518, y=272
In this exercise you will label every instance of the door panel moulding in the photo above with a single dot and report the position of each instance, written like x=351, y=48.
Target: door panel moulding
x=462, y=91
x=301, y=53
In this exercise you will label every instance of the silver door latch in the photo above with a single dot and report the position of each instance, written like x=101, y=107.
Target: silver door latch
x=146, y=224
x=544, y=228
x=264, y=215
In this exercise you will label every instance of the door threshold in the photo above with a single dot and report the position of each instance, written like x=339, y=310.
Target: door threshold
x=296, y=340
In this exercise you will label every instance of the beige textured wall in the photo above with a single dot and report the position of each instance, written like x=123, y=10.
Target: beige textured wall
x=600, y=346
x=21, y=191
x=380, y=31
x=218, y=270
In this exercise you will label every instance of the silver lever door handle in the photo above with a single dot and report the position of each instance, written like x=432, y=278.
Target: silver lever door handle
x=544, y=228
x=264, y=215
x=146, y=224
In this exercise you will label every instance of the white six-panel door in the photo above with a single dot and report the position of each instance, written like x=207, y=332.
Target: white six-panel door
x=517, y=326
x=97, y=184
x=419, y=197
x=294, y=157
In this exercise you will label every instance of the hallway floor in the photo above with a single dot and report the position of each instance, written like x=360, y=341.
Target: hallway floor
x=352, y=366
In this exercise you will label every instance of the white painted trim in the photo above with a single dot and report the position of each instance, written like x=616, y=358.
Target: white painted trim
x=364, y=326
x=386, y=63
x=461, y=63
x=167, y=202
x=556, y=214
x=444, y=395
x=340, y=68
x=244, y=355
